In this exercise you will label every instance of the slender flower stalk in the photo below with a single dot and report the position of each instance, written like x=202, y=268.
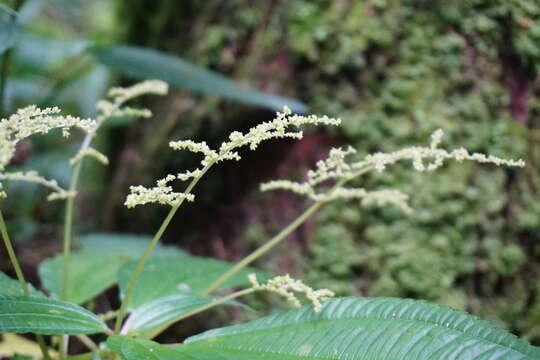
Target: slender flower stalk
x=68, y=230
x=264, y=248
x=20, y=277
x=12, y=256
x=278, y=238
x=140, y=265
x=217, y=302
x=89, y=343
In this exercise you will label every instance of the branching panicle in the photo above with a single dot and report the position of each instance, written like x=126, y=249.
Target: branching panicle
x=275, y=129
x=337, y=167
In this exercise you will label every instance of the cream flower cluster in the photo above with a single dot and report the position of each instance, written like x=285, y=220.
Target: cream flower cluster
x=417, y=155
x=162, y=194
x=277, y=128
x=89, y=152
x=337, y=167
x=33, y=177
x=115, y=108
x=33, y=120
x=122, y=95
x=27, y=122
x=286, y=287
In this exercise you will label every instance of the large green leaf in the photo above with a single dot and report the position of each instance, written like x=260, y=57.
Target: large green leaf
x=171, y=275
x=145, y=63
x=348, y=328
x=90, y=273
x=95, y=268
x=154, y=316
x=130, y=245
x=9, y=286
x=21, y=314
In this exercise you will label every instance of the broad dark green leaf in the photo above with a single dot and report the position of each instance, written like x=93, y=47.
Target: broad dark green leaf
x=154, y=316
x=348, y=328
x=95, y=268
x=9, y=286
x=145, y=63
x=21, y=314
x=90, y=273
x=171, y=275
x=130, y=245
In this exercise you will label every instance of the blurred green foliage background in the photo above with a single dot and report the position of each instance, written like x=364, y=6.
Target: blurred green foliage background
x=394, y=71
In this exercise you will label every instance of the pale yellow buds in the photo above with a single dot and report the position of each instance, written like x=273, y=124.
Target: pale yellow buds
x=121, y=95
x=162, y=194
x=89, y=152
x=286, y=287
x=34, y=177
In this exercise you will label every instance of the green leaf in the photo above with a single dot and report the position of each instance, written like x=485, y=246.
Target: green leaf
x=90, y=273
x=21, y=314
x=9, y=29
x=130, y=348
x=348, y=328
x=145, y=63
x=154, y=316
x=177, y=274
x=95, y=268
x=129, y=245
x=9, y=286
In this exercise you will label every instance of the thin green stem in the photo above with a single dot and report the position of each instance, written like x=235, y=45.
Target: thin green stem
x=89, y=343
x=278, y=238
x=138, y=269
x=264, y=248
x=140, y=265
x=62, y=347
x=43, y=347
x=68, y=230
x=20, y=277
x=155, y=332
x=215, y=303
x=12, y=256
x=68, y=234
